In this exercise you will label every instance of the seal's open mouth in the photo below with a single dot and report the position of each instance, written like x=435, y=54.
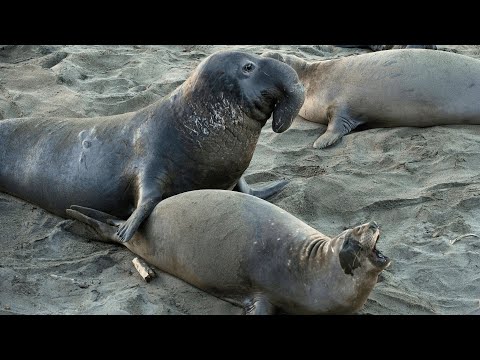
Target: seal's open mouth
x=376, y=257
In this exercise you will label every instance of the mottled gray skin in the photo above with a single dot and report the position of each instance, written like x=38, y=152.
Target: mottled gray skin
x=413, y=87
x=252, y=253
x=202, y=135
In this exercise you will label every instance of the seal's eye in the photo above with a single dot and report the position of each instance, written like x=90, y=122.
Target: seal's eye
x=248, y=67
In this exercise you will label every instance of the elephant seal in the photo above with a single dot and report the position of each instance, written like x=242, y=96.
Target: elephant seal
x=389, y=47
x=413, y=87
x=252, y=253
x=202, y=135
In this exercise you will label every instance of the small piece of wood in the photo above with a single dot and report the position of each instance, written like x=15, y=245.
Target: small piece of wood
x=143, y=269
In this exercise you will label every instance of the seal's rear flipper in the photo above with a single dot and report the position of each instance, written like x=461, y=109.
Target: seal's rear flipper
x=263, y=192
x=98, y=215
x=106, y=231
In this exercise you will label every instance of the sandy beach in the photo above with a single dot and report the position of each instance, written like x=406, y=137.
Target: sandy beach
x=421, y=185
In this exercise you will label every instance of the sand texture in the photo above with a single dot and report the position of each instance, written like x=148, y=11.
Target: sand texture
x=422, y=185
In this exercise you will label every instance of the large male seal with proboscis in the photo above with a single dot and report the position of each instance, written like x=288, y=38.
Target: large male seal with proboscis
x=202, y=135
x=408, y=87
x=252, y=253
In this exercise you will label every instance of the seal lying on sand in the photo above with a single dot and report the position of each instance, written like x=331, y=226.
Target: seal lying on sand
x=389, y=47
x=203, y=135
x=412, y=87
x=252, y=253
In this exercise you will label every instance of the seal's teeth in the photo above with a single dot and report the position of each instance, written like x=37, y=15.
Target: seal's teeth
x=376, y=236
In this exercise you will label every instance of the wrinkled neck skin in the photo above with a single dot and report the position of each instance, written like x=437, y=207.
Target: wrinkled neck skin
x=323, y=284
x=210, y=140
x=218, y=132
x=215, y=122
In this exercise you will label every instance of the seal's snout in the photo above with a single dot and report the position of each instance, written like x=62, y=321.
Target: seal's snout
x=289, y=92
x=287, y=109
x=368, y=235
x=369, y=227
x=373, y=225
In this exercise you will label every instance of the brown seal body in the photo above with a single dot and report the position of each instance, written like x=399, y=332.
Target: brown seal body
x=407, y=87
x=390, y=47
x=254, y=254
x=202, y=135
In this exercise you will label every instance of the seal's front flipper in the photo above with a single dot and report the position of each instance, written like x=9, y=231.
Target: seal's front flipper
x=339, y=125
x=106, y=232
x=259, y=306
x=150, y=192
x=148, y=200
x=263, y=192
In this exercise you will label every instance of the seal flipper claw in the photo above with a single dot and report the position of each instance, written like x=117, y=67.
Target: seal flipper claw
x=259, y=306
x=126, y=231
x=263, y=192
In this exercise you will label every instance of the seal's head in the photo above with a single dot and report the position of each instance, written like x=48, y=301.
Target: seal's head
x=359, y=249
x=319, y=274
x=257, y=86
x=351, y=264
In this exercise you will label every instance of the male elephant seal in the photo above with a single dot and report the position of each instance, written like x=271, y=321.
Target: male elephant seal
x=202, y=135
x=413, y=87
x=254, y=254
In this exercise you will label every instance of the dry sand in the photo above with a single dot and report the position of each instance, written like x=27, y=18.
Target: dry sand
x=421, y=185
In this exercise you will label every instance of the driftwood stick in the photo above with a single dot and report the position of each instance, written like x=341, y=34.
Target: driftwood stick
x=143, y=269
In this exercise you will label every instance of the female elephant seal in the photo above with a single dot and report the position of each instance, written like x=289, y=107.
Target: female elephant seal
x=389, y=47
x=414, y=87
x=203, y=135
x=252, y=253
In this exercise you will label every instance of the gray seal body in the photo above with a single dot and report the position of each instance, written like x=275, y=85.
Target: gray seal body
x=202, y=135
